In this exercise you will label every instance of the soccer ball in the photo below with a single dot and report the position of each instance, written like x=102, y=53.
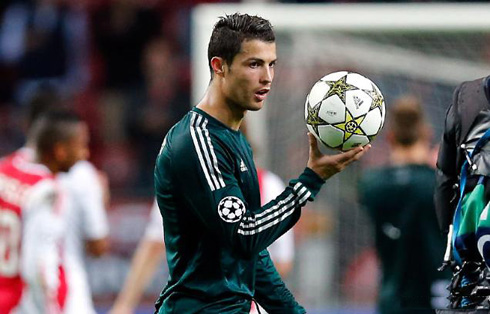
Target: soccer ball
x=344, y=110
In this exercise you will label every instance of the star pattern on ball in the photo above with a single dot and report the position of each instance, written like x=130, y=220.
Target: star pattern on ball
x=314, y=118
x=339, y=88
x=351, y=125
x=376, y=97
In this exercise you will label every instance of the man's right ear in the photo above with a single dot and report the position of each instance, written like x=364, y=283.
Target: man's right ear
x=217, y=64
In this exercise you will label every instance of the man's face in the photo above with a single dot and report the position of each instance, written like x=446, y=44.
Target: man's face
x=248, y=79
x=74, y=149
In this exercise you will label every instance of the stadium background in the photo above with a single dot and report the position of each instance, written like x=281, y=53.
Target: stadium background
x=131, y=69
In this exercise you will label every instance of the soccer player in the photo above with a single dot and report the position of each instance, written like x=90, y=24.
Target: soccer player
x=87, y=232
x=399, y=200
x=216, y=231
x=31, y=216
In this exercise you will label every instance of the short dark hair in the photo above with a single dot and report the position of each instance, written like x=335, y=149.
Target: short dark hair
x=231, y=30
x=52, y=127
x=45, y=99
x=407, y=121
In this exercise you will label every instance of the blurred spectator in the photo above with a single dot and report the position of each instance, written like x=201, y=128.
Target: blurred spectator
x=84, y=209
x=14, y=122
x=462, y=194
x=32, y=277
x=45, y=42
x=87, y=233
x=398, y=199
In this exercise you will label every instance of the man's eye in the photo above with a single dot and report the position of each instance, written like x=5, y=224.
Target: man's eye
x=254, y=64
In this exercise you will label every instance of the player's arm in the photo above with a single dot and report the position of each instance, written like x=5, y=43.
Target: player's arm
x=206, y=176
x=270, y=291
x=445, y=197
x=91, y=189
x=212, y=192
x=97, y=247
x=149, y=253
x=42, y=235
x=143, y=265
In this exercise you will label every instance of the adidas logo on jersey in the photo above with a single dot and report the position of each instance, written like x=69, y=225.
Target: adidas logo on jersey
x=243, y=168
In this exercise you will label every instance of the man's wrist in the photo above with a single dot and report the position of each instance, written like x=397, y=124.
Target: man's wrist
x=312, y=181
x=315, y=174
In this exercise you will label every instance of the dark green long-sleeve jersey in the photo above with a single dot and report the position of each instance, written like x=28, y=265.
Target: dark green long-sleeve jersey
x=216, y=232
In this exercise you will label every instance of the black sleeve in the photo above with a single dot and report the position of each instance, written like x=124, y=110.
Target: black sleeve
x=446, y=195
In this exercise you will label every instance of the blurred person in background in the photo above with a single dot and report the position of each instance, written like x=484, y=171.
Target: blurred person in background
x=399, y=200
x=45, y=42
x=86, y=218
x=88, y=230
x=32, y=211
x=462, y=197
x=470, y=100
x=216, y=231
x=85, y=210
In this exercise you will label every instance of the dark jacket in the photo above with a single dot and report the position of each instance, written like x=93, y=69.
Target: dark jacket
x=465, y=118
